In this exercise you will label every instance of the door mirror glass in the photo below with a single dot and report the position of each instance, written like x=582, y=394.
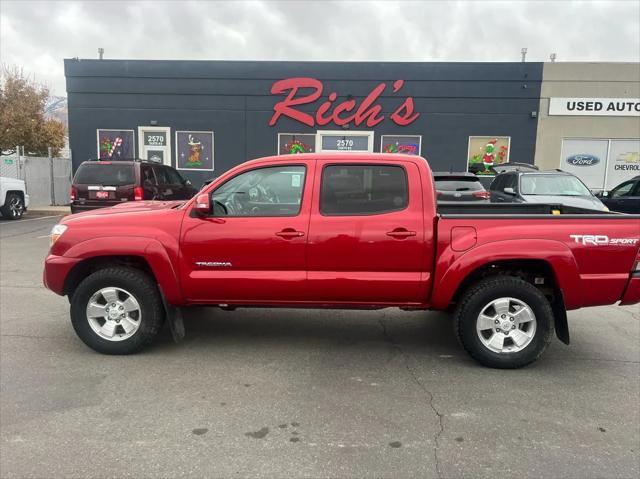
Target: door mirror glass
x=510, y=191
x=202, y=205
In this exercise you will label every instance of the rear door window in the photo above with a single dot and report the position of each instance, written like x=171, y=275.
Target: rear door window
x=349, y=190
x=105, y=174
x=148, y=178
x=458, y=184
x=161, y=175
x=173, y=176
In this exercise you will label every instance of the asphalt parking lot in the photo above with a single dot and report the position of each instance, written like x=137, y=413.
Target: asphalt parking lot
x=286, y=393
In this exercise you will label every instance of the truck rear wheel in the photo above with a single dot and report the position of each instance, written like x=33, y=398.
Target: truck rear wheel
x=504, y=322
x=117, y=310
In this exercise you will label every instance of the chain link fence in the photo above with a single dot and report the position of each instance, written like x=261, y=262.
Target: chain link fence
x=48, y=179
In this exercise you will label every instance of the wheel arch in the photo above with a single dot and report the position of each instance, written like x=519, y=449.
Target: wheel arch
x=142, y=253
x=552, y=259
x=20, y=193
x=95, y=263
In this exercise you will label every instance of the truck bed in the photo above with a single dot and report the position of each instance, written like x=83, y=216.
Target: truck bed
x=520, y=209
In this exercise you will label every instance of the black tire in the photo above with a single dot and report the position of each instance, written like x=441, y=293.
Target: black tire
x=144, y=290
x=13, y=207
x=482, y=293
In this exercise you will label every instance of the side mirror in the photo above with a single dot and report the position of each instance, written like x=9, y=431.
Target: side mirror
x=202, y=205
x=605, y=194
x=510, y=191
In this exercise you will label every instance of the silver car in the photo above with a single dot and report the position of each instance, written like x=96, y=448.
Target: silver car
x=556, y=187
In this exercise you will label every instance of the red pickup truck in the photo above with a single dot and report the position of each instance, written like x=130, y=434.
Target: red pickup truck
x=342, y=231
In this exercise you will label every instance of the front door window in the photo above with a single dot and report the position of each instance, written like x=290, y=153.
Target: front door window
x=273, y=191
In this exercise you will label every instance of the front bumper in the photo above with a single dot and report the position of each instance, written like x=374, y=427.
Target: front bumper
x=56, y=271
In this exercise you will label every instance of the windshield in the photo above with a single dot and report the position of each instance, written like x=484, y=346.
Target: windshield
x=106, y=174
x=552, y=185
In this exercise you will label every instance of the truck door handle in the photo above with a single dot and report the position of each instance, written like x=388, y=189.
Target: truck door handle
x=401, y=233
x=289, y=233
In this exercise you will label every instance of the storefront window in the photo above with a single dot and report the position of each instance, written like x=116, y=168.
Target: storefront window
x=407, y=144
x=587, y=159
x=294, y=143
x=115, y=144
x=194, y=150
x=486, y=152
x=624, y=161
x=601, y=163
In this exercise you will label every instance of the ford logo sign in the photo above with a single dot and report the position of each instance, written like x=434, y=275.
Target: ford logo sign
x=583, y=160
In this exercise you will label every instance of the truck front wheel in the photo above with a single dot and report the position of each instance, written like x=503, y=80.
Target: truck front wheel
x=117, y=310
x=504, y=322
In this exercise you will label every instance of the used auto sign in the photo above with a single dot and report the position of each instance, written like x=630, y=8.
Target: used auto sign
x=583, y=160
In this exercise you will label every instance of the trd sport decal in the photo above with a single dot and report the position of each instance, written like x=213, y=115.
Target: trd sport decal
x=603, y=240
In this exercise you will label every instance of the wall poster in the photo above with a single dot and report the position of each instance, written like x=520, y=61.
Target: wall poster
x=194, y=150
x=294, y=143
x=487, y=151
x=407, y=144
x=115, y=144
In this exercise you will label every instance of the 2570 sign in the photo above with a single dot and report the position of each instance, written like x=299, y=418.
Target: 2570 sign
x=368, y=111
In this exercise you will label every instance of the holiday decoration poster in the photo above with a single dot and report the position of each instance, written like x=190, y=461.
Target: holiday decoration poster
x=194, y=150
x=486, y=152
x=116, y=144
x=292, y=143
x=406, y=144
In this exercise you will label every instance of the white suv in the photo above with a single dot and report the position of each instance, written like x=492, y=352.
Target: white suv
x=14, y=199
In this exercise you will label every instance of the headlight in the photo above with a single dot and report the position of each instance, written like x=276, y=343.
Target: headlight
x=56, y=232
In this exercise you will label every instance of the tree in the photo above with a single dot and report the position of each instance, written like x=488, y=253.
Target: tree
x=22, y=115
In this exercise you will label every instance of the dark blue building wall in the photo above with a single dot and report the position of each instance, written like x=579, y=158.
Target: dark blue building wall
x=233, y=99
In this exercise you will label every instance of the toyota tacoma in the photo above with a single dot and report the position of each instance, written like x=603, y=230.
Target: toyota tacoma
x=348, y=230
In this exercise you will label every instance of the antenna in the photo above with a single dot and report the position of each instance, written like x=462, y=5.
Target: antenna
x=524, y=53
x=100, y=53
x=552, y=57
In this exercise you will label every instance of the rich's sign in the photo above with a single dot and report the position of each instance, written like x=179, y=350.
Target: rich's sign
x=367, y=112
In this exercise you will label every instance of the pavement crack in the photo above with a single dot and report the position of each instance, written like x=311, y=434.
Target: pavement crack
x=423, y=388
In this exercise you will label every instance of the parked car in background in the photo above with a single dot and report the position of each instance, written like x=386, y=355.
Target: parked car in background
x=513, y=166
x=99, y=184
x=459, y=187
x=14, y=199
x=530, y=186
x=624, y=198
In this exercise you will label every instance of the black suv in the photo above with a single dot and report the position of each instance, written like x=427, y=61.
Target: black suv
x=103, y=183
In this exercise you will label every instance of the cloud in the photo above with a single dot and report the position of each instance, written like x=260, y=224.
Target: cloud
x=39, y=35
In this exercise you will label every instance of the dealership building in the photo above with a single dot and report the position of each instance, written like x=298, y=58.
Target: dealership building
x=204, y=117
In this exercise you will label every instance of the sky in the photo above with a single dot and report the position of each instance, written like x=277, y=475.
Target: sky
x=37, y=36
